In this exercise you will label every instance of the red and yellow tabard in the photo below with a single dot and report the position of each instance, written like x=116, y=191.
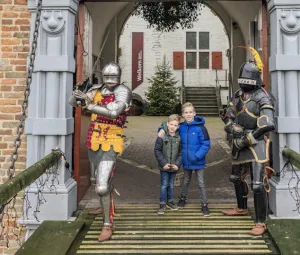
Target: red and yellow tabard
x=104, y=131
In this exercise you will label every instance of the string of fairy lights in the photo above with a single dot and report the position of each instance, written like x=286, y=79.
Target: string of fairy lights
x=10, y=230
x=293, y=183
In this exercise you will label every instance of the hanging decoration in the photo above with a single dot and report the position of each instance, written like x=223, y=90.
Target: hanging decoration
x=169, y=16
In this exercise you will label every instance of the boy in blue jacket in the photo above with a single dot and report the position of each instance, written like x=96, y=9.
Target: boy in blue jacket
x=195, y=144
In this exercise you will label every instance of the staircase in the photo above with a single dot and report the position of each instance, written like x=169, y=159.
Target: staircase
x=204, y=100
x=139, y=231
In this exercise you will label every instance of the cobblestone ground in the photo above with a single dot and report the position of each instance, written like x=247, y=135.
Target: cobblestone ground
x=137, y=178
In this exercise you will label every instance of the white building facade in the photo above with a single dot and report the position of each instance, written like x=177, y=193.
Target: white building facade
x=193, y=54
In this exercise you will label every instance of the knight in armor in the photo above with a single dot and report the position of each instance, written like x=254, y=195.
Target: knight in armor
x=248, y=119
x=109, y=104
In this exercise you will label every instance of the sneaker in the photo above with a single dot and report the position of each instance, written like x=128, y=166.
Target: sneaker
x=171, y=205
x=162, y=208
x=181, y=203
x=205, y=210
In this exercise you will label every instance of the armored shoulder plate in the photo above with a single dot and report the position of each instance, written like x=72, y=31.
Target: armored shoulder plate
x=123, y=94
x=95, y=86
x=264, y=99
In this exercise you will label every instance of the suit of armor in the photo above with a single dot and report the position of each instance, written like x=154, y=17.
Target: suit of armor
x=248, y=119
x=108, y=103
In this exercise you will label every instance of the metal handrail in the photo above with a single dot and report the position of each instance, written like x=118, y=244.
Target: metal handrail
x=182, y=89
x=22, y=180
x=292, y=156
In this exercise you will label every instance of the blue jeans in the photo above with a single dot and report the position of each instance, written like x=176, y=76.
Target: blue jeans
x=166, y=186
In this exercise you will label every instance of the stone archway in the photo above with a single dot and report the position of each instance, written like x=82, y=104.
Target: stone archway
x=53, y=82
x=236, y=37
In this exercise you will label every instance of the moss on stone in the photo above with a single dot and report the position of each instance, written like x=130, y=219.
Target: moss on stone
x=52, y=237
x=286, y=235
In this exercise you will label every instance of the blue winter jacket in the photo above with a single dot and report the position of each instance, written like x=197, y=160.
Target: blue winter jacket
x=195, y=143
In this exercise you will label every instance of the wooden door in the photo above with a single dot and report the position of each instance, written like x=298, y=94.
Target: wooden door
x=83, y=67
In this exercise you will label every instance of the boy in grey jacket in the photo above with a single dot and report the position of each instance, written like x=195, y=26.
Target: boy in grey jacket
x=168, y=154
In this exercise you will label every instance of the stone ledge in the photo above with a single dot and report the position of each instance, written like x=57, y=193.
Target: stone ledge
x=53, y=126
x=288, y=125
x=54, y=64
x=285, y=233
x=52, y=237
x=281, y=62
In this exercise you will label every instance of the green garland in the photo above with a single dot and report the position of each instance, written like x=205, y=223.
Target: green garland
x=169, y=16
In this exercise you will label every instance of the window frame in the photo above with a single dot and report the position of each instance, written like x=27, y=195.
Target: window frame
x=198, y=51
x=193, y=68
x=206, y=32
x=209, y=55
x=191, y=32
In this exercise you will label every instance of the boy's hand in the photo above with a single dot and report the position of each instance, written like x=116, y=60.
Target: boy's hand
x=167, y=166
x=174, y=167
x=161, y=133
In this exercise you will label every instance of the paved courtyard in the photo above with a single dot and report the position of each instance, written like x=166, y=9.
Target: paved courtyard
x=137, y=176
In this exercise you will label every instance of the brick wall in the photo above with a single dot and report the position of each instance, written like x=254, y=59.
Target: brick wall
x=14, y=48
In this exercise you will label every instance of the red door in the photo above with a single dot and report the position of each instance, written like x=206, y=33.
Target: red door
x=81, y=164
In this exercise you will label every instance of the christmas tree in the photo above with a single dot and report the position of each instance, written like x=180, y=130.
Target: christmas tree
x=162, y=95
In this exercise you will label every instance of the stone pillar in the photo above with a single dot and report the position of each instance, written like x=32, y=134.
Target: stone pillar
x=50, y=122
x=285, y=85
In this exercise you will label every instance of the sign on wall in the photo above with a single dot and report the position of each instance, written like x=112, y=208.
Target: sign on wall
x=137, y=59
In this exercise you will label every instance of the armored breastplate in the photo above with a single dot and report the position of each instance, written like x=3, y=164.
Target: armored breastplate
x=105, y=100
x=103, y=131
x=247, y=110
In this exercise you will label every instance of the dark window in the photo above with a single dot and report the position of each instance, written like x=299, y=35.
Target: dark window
x=203, y=40
x=191, y=40
x=191, y=60
x=204, y=60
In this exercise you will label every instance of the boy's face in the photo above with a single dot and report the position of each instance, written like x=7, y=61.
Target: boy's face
x=188, y=114
x=172, y=126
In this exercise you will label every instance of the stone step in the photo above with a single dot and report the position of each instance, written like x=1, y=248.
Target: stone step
x=200, y=91
x=200, y=94
x=212, y=107
x=200, y=88
x=206, y=111
x=195, y=97
x=208, y=114
x=206, y=105
x=205, y=102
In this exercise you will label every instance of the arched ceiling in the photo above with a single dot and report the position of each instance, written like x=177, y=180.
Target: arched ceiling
x=102, y=14
x=242, y=12
x=239, y=11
